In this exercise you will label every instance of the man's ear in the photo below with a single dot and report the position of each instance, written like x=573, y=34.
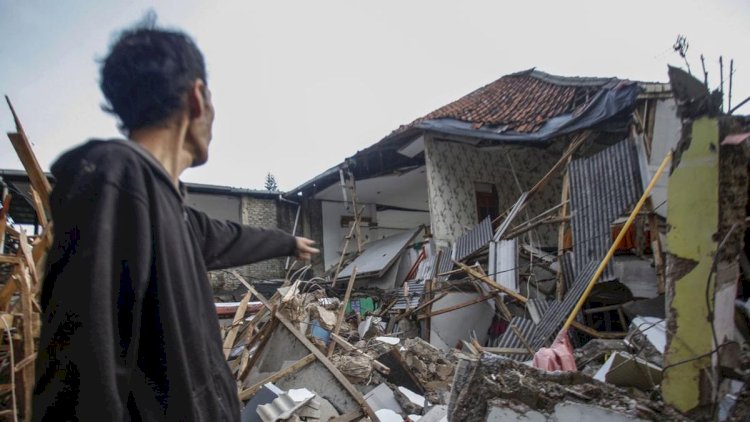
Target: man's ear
x=197, y=99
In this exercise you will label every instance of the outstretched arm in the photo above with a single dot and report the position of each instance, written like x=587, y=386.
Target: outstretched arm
x=227, y=244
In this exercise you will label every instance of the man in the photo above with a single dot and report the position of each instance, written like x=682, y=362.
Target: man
x=129, y=328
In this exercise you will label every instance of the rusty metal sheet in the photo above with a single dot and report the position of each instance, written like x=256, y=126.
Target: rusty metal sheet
x=603, y=187
x=473, y=240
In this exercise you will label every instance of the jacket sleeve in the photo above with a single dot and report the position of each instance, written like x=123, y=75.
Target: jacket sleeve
x=99, y=267
x=227, y=244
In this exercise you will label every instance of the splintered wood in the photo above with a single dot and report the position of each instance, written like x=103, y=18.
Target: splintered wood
x=22, y=260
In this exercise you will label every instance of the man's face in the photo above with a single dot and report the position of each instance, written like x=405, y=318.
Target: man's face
x=200, y=130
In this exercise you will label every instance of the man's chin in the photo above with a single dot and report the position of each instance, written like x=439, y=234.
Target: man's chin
x=200, y=160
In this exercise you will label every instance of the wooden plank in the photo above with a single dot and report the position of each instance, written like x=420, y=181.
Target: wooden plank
x=351, y=389
x=476, y=274
x=238, y=317
x=247, y=393
x=597, y=334
x=25, y=153
x=350, y=348
x=263, y=337
x=33, y=170
x=24, y=250
x=41, y=214
x=342, y=310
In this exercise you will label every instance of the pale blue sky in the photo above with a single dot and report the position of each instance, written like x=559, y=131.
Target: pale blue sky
x=299, y=85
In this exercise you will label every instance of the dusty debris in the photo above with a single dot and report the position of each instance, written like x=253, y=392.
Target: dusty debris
x=492, y=377
x=356, y=368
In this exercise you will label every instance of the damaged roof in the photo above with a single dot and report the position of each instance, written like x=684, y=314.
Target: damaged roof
x=521, y=101
x=524, y=107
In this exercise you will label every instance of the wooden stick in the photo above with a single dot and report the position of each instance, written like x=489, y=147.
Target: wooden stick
x=262, y=338
x=597, y=334
x=565, y=198
x=41, y=214
x=351, y=389
x=24, y=250
x=342, y=311
x=296, y=366
x=476, y=300
x=238, y=317
x=506, y=351
x=549, y=220
x=474, y=273
x=618, y=240
x=357, y=216
x=420, y=307
x=36, y=176
x=350, y=348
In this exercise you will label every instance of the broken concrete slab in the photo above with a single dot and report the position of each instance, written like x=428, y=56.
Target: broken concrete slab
x=388, y=415
x=382, y=397
x=655, y=330
x=625, y=370
x=410, y=401
x=435, y=414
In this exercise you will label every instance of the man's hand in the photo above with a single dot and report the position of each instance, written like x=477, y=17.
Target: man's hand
x=305, y=249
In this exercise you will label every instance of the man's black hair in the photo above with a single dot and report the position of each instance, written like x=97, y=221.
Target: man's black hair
x=147, y=73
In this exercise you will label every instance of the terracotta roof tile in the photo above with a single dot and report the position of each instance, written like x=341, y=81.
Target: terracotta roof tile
x=522, y=102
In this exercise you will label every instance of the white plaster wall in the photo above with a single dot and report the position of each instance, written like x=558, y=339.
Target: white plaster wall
x=667, y=132
x=451, y=327
x=334, y=234
x=454, y=168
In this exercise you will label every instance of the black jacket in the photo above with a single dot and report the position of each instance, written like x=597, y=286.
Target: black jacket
x=129, y=328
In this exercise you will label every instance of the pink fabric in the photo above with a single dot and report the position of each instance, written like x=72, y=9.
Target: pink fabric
x=558, y=357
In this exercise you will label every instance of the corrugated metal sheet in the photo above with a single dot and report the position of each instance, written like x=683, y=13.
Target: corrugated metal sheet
x=445, y=263
x=503, y=263
x=415, y=293
x=603, y=187
x=509, y=339
x=568, y=272
x=555, y=316
x=511, y=216
x=473, y=240
x=379, y=255
x=537, y=308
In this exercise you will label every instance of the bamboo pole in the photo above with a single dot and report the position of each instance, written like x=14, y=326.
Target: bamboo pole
x=616, y=243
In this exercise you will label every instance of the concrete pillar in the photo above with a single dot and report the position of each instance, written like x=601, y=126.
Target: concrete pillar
x=701, y=285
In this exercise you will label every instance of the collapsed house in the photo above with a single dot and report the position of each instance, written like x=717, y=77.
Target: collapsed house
x=545, y=248
x=463, y=169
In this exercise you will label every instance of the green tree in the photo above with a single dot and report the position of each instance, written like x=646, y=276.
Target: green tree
x=271, y=185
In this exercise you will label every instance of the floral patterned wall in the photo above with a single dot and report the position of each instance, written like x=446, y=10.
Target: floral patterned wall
x=453, y=169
